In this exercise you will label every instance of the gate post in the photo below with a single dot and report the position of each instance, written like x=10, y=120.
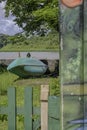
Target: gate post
x=44, y=106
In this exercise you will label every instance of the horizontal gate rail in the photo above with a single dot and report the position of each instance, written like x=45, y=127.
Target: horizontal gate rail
x=19, y=110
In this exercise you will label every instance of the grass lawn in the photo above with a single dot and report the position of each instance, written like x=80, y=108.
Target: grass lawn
x=10, y=80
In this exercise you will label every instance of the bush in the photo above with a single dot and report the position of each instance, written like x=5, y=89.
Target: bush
x=2, y=68
x=55, y=87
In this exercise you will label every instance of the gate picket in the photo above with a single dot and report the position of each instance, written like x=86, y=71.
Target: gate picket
x=11, y=109
x=28, y=108
x=53, y=113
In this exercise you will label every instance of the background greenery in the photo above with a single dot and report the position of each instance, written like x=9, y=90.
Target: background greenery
x=32, y=15
x=20, y=42
x=39, y=20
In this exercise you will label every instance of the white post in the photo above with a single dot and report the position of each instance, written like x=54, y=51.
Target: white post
x=44, y=106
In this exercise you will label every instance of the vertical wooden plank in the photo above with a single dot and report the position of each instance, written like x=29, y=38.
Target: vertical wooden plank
x=28, y=108
x=44, y=106
x=72, y=65
x=53, y=113
x=11, y=109
x=85, y=61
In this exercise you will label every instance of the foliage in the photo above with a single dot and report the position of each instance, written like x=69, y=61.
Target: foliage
x=22, y=43
x=31, y=14
x=55, y=87
x=2, y=68
x=3, y=118
x=3, y=40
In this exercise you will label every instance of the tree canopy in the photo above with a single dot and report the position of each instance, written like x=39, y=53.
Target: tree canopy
x=32, y=14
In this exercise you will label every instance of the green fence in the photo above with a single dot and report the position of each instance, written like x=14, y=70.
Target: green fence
x=28, y=111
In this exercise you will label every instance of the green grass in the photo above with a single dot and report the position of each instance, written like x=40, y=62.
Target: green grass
x=46, y=43
x=8, y=80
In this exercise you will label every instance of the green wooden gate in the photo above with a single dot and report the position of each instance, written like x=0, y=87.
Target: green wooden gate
x=28, y=111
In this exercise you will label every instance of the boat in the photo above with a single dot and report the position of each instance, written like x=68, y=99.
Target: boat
x=25, y=67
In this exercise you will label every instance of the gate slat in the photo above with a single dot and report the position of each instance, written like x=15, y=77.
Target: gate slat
x=11, y=109
x=53, y=113
x=28, y=109
x=3, y=110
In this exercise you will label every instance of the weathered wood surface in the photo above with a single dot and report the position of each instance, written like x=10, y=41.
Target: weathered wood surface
x=11, y=109
x=53, y=113
x=44, y=106
x=28, y=112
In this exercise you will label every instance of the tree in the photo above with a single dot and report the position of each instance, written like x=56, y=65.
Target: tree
x=31, y=14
